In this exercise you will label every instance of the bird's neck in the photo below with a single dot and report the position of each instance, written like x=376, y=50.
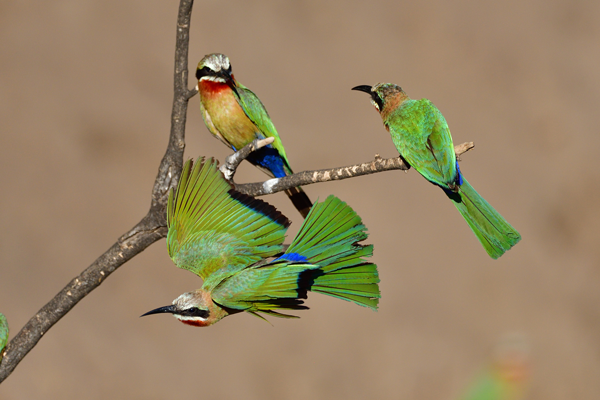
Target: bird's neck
x=392, y=103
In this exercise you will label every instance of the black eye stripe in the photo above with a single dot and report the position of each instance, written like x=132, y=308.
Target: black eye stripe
x=194, y=312
x=377, y=100
x=204, y=71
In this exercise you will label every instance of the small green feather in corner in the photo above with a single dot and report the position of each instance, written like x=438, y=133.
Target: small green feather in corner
x=3, y=334
x=234, y=242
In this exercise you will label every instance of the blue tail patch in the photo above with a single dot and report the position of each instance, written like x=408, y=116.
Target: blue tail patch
x=269, y=158
x=459, y=179
x=293, y=257
x=455, y=196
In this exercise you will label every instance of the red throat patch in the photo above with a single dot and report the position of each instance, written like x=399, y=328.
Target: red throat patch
x=195, y=322
x=211, y=88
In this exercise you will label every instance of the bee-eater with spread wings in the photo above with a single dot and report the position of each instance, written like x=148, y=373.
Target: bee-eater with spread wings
x=234, y=243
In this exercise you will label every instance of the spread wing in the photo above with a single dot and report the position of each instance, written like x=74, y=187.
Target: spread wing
x=214, y=228
x=255, y=110
x=422, y=137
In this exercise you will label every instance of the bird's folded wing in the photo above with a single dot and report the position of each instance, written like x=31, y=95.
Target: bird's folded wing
x=423, y=138
x=257, y=113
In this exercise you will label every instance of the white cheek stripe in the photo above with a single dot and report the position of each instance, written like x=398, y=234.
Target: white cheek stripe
x=188, y=318
x=212, y=78
x=375, y=105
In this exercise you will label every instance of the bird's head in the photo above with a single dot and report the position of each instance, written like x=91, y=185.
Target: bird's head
x=215, y=67
x=384, y=96
x=193, y=308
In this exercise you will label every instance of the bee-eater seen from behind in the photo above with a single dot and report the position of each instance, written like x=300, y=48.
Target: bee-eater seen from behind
x=422, y=137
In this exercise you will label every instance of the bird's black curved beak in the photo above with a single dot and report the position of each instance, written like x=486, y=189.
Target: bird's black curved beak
x=363, y=88
x=230, y=81
x=167, y=309
x=227, y=75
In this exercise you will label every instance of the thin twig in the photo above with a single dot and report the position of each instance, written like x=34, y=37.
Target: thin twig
x=233, y=161
x=325, y=175
x=150, y=229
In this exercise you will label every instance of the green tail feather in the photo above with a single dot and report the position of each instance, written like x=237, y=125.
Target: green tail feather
x=495, y=234
x=329, y=232
x=358, y=283
x=329, y=238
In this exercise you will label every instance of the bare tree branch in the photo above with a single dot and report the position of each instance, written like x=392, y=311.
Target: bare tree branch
x=325, y=175
x=150, y=229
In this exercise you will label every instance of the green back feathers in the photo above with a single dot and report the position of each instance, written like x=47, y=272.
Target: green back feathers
x=421, y=135
x=213, y=227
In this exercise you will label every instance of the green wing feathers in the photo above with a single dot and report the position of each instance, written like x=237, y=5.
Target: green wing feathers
x=256, y=111
x=211, y=226
x=265, y=287
x=495, y=234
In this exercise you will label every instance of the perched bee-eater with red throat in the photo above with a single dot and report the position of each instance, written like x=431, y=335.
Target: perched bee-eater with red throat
x=234, y=115
x=422, y=137
x=234, y=243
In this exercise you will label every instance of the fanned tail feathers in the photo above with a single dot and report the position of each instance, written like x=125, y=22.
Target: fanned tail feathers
x=325, y=257
x=329, y=238
x=495, y=234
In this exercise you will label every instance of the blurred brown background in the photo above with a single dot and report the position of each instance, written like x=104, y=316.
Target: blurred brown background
x=85, y=102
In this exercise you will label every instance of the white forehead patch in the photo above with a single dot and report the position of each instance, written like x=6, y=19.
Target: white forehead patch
x=184, y=300
x=216, y=62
